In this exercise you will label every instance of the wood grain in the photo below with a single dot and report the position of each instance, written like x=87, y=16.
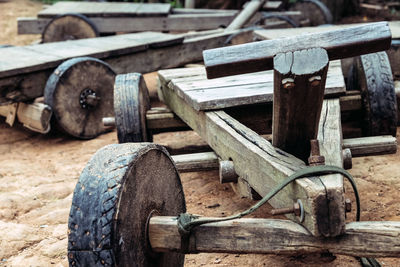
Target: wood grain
x=258, y=56
x=204, y=94
x=268, y=236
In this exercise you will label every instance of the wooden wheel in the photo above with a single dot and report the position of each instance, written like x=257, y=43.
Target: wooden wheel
x=131, y=102
x=70, y=26
x=117, y=192
x=80, y=93
x=374, y=78
x=313, y=10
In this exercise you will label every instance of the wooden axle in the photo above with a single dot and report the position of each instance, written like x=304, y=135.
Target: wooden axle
x=34, y=116
x=269, y=236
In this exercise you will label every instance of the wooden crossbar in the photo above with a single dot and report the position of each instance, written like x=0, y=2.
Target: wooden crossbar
x=259, y=56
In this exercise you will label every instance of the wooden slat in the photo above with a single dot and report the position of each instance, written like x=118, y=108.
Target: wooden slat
x=255, y=159
x=203, y=94
x=258, y=56
x=373, y=145
x=19, y=60
x=268, y=236
x=93, y=9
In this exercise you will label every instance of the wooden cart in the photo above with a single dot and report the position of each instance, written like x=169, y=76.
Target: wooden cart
x=126, y=204
x=76, y=20
x=76, y=77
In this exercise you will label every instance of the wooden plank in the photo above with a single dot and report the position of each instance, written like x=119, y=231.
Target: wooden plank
x=196, y=162
x=258, y=56
x=330, y=145
x=204, y=94
x=299, y=84
x=99, y=9
x=268, y=236
x=19, y=60
x=269, y=34
x=159, y=120
x=255, y=159
x=373, y=145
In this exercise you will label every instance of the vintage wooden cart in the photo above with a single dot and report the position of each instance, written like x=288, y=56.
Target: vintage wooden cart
x=76, y=77
x=69, y=20
x=129, y=209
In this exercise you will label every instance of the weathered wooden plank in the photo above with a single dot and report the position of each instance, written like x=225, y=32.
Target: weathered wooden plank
x=196, y=162
x=204, y=94
x=269, y=34
x=255, y=159
x=268, y=236
x=20, y=60
x=299, y=84
x=373, y=145
x=330, y=145
x=99, y=9
x=258, y=56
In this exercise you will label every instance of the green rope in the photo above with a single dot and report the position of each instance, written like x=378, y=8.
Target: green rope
x=187, y=221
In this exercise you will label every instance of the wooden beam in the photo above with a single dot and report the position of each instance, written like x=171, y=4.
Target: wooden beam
x=268, y=236
x=176, y=22
x=299, y=85
x=246, y=14
x=330, y=145
x=255, y=159
x=373, y=145
x=258, y=56
x=162, y=119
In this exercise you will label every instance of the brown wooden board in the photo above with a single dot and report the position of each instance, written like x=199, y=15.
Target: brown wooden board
x=95, y=9
x=192, y=85
x=258, y=56
x=19, y=60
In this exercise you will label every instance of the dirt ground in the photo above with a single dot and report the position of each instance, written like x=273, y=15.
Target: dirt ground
x=38, y=174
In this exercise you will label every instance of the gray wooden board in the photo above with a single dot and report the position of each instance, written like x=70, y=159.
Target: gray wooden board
x=282, y=33
x=19, y=60
x=192, y=85
x=103, y=9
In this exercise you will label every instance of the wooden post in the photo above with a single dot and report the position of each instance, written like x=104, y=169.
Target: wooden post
x=299, y=84
x=269, y=236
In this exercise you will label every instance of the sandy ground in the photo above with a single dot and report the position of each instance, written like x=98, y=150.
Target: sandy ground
x=38, y=174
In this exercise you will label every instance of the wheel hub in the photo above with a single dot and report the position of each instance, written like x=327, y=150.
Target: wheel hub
x=88, y=99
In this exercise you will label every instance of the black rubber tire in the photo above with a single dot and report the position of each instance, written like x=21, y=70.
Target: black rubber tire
x=375, y=80
x=64, y=89
x=69, y=26
x=287, y=19
x=120, y=187
x=324, y=16
x=131, y=102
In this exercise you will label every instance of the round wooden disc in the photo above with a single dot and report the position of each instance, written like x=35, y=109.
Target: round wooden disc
x=120, y=187
x=66, y=87
x=131, y=102
x=374, y=78
x=313, y=10
x=70, y=26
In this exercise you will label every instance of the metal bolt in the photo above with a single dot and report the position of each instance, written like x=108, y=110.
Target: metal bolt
x=288, y=83
x=347, y=205
x=315, y=81
x=295, y=209
x=315, y=158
